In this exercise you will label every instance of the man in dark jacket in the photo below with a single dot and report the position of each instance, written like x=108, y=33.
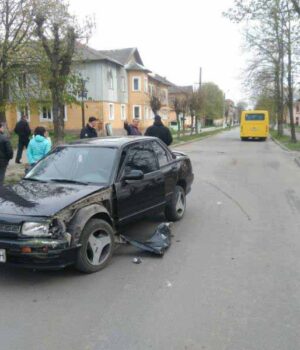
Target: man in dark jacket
x=6, y=153
x=22, y=129
x=89, y=131
x=132, y=129
x=159, y=130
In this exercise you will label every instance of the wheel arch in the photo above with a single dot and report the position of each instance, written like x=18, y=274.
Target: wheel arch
x=182, y=183
x=84, y=215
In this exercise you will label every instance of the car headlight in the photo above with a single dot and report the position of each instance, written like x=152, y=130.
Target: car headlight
x=35, y=229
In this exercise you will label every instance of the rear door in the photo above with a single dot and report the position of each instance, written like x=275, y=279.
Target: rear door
x=138, y=198
x=168, y=166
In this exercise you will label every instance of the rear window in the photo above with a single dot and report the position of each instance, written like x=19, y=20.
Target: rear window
x=250, y=117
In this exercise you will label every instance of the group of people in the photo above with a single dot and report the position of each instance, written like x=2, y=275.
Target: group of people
x=40, y=144
x=36, y=147
x=157, y=130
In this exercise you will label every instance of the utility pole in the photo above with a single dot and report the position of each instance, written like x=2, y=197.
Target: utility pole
x=83, y=95
x=199, y=102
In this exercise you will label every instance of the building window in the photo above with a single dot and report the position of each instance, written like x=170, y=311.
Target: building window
x=110, y=79
x=23, y=110
x=137, y=112
x=146, y=85
x=111, y=111
x=123, y=112
x=297, y=108
x=123, y=84
x=151, y=89
x=136, y=83
x=46, y=114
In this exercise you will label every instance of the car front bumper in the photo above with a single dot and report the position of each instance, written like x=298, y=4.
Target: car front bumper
x=42, y=253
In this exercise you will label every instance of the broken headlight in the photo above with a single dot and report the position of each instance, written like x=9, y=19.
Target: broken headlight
x=35, y=229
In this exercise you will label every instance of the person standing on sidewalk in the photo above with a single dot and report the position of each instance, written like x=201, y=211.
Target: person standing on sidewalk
x=159, y=130
x=38, y=146
x=89, y=131
x=132, y=129
x=6, y=153
x=22, y=129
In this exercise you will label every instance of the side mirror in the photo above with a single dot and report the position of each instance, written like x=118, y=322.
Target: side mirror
x=133, y=175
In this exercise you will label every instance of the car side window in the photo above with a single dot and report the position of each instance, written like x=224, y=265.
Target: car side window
x=161, y=154
x=141, y=157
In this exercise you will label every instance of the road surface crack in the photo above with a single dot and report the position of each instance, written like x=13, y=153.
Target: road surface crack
x=231, y=198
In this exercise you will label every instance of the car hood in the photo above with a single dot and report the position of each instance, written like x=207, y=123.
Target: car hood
x=29, y=198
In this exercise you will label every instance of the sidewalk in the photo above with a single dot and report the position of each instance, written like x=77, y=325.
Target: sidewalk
x=15, y=171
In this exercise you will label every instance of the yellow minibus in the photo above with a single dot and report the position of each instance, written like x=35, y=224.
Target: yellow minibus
x=254, y=124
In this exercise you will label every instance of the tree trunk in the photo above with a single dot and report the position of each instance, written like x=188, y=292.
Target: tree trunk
x=290, y=87
x=178, y=125
x=58, y=116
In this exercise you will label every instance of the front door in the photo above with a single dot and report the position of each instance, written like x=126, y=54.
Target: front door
x=138, y=198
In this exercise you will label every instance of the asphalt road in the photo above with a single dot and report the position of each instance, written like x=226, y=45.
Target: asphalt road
x=231, y=279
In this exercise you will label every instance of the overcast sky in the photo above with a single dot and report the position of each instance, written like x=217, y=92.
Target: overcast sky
x=174, y=38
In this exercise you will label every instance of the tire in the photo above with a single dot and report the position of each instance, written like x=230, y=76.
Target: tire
x=244, y=138
x=175, y=210
x=263, y=138
x=96, y=235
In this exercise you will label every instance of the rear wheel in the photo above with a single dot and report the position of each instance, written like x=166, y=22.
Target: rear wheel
x=263, y=138
x=244, y=138
x=97, y=245
x=176, y=208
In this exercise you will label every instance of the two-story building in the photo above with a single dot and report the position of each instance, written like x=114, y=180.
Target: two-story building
x=117, y=88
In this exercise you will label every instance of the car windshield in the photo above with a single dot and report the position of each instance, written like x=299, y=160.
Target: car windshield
x=75, y=165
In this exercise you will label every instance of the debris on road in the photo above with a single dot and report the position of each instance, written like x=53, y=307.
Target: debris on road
x=137, y=260
x=158, y=243
x=169, y=284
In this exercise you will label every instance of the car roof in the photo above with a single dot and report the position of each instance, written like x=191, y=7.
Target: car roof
x=110, y=141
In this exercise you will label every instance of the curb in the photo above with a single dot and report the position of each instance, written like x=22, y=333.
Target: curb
x=280, y=144
x=196, y=140
x=296, y=159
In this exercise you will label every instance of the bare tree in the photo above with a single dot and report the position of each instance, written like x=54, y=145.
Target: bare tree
x=155, y=104
x=15, y=32
x=58, y=31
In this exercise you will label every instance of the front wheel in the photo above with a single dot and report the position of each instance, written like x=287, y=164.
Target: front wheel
x=97, y=246
x=176, y=208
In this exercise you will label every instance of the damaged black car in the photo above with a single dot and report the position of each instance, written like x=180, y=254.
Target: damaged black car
x=69, y=208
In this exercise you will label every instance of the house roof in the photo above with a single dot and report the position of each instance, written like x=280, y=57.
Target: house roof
x=86, y=53
x=124, y=56
x=137, y=67
x=174, y=89
x=160, y=79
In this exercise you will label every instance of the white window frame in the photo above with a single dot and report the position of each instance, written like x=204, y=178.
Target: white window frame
x=111, y=108
x=146, y=85
x=123, y=112
x=150, y=89
x=146, y=112
x=139, y=87
x=43, y=120
x=19, y=113
x=123, y=84
x=140, y=111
